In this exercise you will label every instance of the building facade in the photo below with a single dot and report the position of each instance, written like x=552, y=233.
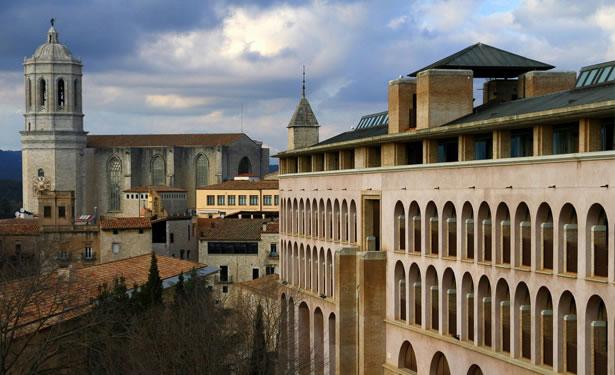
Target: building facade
x=58, y=151
x=442, y=238
x=250, y=198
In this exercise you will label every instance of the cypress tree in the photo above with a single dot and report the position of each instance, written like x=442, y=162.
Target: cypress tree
x=180, y=290
x=259, y=364
x=151, y=292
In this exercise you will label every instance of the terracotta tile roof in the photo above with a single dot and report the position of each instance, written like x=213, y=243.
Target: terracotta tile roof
x=153, y=140
x=19, y=227
x=272, y=228
x=63, y=296
x=162, y=189
x=109, y=223
x=230, y=229
x=243, y=185
x=267, y=286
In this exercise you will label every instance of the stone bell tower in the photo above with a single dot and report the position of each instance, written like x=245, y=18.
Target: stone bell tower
x=52, y=140
x=303, y=126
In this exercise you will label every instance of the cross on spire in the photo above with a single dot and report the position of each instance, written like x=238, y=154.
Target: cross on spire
x=303, y=85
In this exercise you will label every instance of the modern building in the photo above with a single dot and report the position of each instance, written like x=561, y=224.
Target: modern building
x=58, y=152
x=243, y=249
x=440, y=237
x=239, y=197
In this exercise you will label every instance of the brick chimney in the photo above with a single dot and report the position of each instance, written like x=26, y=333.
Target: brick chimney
x=443, y=95
x=537, y=83
x=402, y=104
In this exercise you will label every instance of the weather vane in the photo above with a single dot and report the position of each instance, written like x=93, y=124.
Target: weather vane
x=53, y=21
x=303, y=85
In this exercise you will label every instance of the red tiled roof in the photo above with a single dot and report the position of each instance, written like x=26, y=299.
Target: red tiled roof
x=109, y=223
x=152, y=140
x=267, y=286
x=243, y=185
x=19, y=227
x=162, y=189
x=59, y=298
x=230, y=229
x=272, y=228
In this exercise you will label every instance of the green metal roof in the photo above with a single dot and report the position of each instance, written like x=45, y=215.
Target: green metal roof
x=487, y=62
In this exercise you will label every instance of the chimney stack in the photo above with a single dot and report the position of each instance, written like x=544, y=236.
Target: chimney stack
x=443, y=95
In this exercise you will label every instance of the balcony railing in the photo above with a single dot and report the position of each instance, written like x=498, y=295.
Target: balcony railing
x=274, y=254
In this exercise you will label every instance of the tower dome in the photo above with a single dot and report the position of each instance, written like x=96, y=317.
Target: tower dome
x=52, y=49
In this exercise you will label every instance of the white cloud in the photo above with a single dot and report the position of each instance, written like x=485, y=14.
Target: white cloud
x=397, y=22
x=175, y=101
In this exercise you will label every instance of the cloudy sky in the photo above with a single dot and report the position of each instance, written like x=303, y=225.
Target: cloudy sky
x=153, y=66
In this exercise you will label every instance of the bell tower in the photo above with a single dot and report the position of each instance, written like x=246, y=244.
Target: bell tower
x=53, y=140
x=303, y=126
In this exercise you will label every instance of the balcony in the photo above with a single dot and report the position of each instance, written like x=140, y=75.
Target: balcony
x=273, y=254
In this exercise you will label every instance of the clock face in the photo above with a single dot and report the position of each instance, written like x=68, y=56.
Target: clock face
x=41, y=184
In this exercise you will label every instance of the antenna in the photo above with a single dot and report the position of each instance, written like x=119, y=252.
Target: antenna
x=242, y=117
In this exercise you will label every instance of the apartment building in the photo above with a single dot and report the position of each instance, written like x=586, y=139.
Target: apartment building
x=240, y=197
x=439, y=237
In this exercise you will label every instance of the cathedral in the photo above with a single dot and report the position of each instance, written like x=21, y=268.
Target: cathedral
x=59, y=155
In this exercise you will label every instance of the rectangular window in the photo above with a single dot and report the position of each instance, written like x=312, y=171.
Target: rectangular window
x=276, y=200
x=221, y=200
x=269, y=270
x=231, y=200
x=242, y=200
x=483, y=147
x=448, y=150
x=521, y=143
x=565, y=139
x=273, y=250
x=607, y=135
x=62, y=211
x=255, y=273
x=211, y=200
x=88, y=254
x=253, y=200
x=267, y=200
x=414, y=153
x=47, y=211
x=171, y=237
x=115, y=248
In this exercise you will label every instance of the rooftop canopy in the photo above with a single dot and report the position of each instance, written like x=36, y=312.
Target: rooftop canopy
x=487, y=62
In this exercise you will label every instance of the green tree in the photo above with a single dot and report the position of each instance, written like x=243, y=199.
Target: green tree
x=180, y=290
x=259, y=359
x=151, y=293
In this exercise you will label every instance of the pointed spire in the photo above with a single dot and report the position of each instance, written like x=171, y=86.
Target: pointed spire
x=303, y=85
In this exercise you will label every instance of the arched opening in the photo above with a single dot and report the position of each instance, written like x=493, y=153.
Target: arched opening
x=158, y=171
x=114, y=178
x=431, y=214
x=414, y=213
x=485, y=233
x=291, y=332
x=439, y=365
x=316, y=275
x=450, y=229
x=330, y=284
x=597, y=242
x=319, y=342
x=449, y=286
x=245, y=166
x=304, y=334
x=503, y=238
x=345, y=221
x=296, y=259
x=308, y=218
x=467, y=288
x=544, y=329
x=544, y=237
x=596, y=336
x=42, y=90
x=407, y=358
x=400, y=291
x=76, y=96
x=29, y=95
x=336, y=221
x=353, y=222
x=484, y=311
x=308, y=268
x=415, y=294
x=567, y=317
x=332, y=344
x=322, y=219
x=502, y=296
x=201, y=170
x=301, y=282
x=433, y=299
x=60, y=94
x=467, y=230
x=475, y=370
x=40, y=172
x=329, y=221
x=568, y=240
x=399, y=226
x=523, y=243
x=301, y=220
x=321, y=273
x=524, y=311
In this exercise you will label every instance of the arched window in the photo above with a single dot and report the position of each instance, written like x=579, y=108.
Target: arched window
x=407, y=358
x=114, y=173
x=42, y=94
x=29, y=95
x=41, y=172
x=245, y=167
x=76, y=92
x=158, y=173
x=60, y=94
x=202, y=170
